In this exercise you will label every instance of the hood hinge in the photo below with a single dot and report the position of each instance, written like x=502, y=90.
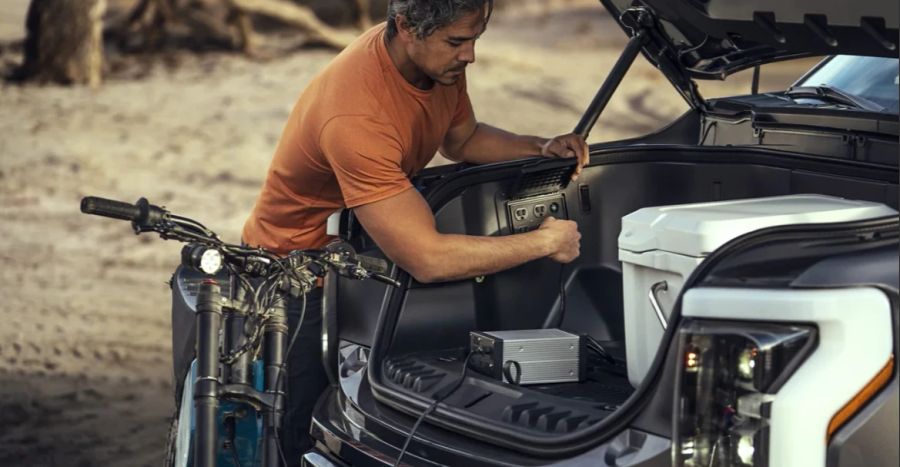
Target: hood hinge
x=658, y=50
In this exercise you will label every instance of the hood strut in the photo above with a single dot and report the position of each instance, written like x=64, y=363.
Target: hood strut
x=604, y=94
x=644, y=31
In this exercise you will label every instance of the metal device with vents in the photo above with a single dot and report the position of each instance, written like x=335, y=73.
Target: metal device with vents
x=530, y=356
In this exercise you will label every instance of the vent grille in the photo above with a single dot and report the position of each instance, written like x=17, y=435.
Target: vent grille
x=546, y=418
x=413, y=375
x=545, y=177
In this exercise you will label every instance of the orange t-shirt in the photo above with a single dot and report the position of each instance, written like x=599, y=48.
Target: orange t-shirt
x=355, y=136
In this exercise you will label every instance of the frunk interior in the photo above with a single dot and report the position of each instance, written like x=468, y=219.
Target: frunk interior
x=429, y=336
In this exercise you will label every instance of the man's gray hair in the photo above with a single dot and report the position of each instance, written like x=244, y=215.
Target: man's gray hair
x=426, y=16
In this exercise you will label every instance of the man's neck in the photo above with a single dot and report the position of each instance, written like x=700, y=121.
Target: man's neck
x=407, y=68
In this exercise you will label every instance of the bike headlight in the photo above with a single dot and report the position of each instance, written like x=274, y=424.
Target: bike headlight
x=202, y=258
x=728, y=375
x=211, y=261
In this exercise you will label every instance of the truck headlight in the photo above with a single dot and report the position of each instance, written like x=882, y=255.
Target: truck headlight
x=727, y=377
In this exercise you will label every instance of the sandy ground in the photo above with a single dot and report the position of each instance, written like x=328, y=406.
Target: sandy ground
x=85, y=365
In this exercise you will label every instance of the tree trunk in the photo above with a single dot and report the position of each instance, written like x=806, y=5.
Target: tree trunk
x=363, y=15
x=299, y=16
x=64, y=41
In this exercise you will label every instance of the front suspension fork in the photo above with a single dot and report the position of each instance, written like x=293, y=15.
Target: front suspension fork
x=206, y=386
x=275, y=339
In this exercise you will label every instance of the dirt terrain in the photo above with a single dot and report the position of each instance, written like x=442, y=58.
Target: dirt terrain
x=84, y=317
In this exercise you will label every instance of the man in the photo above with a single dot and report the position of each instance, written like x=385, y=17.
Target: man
x=375, y=116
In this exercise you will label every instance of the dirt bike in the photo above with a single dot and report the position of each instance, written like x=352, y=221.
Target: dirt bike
x=230, y=333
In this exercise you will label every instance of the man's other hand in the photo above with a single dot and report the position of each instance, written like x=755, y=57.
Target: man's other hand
x=570, y=145
x=564, y=238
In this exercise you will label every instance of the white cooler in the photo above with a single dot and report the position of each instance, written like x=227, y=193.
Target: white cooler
x=660, y=246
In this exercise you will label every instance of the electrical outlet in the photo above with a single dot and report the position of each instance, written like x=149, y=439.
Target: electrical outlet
x=528, y=213
x=520, y=214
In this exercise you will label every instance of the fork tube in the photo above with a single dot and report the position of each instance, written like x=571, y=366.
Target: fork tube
x=206, y=386
x=276, y=330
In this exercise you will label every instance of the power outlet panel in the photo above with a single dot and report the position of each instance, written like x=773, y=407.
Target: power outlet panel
x=528, y=214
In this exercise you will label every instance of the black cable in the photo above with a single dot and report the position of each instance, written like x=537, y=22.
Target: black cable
x=684, y=52
x=603, y=354
x=188, y=222
x=556, y=316
x=252, y=304
x=507, y=372
x=562, y=295
x=234, y=454
x=616, y=365
x=253, y=340
x=293, y=338
x=594, y=345
x=248, y=287
x=430, y=408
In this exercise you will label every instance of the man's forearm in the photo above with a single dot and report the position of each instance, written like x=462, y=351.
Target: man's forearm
x=403, y=226
x=489, y=144
x=454, y=257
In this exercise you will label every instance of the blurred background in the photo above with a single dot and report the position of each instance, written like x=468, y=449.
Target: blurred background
x=183, y=103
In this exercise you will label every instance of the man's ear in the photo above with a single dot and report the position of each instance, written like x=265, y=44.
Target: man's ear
x=403, y=30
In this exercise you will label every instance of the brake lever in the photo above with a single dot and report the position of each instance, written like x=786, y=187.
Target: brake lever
x=358, y=272
x=349, y=265
x=385, y=279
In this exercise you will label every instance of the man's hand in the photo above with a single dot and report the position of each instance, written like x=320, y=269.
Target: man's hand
x=570, y=145
x=565, y=240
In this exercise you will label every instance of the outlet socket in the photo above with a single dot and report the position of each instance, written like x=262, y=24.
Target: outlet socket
x=528, y=213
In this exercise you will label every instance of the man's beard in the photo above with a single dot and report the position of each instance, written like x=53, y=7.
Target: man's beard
x=451, y=76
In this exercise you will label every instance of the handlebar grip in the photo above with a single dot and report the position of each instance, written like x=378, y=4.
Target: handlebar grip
x=110, y=208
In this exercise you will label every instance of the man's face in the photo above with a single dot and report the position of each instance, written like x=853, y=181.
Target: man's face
x=444, y=54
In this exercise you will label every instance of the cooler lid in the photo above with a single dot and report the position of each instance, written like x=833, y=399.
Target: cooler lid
x=699, y=229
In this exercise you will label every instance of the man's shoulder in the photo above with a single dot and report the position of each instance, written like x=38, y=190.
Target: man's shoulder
x=351, y=82
x=360, y=61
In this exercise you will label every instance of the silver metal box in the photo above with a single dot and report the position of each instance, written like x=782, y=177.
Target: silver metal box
x=530, y=356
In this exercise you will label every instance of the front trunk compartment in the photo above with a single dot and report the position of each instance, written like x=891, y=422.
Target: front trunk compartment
x=423, y=329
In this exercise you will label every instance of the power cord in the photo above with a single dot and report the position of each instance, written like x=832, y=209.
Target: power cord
x=616, y=365
x=430, y=408
x=234, y=454
x=593, y=344
x=556, y=316
x=562, y=294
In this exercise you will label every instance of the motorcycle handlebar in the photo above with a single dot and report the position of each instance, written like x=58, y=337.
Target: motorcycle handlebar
x=143, y=215
x=110, y=208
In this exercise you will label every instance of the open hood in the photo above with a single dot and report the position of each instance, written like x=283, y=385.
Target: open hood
x=710, y=39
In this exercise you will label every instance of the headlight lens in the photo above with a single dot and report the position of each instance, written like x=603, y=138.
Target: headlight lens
x=202, y=258
x=728, y=375
x=211, y=261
